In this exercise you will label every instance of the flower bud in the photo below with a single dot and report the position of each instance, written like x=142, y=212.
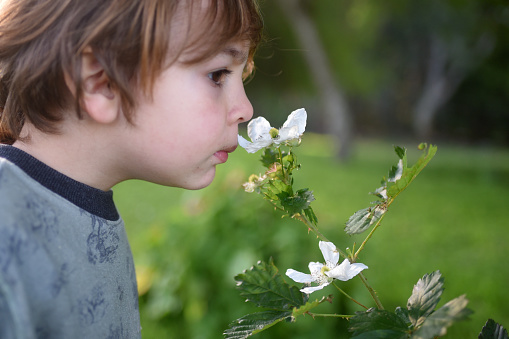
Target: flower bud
x=294, y=142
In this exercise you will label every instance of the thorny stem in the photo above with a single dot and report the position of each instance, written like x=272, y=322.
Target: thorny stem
x=281, y=162
x=371, y=291
x=349, y=297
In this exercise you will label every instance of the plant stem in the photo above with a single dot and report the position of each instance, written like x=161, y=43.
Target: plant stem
x=361, y=247
x=282, y=165
x=371, y=291
x=349, y=297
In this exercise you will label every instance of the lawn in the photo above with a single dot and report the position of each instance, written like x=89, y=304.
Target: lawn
x=188, y=245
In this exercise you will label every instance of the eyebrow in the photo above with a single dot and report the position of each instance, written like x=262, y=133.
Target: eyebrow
x=239, y=56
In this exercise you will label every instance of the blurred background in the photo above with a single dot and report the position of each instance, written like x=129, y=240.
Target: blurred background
x=371, y=75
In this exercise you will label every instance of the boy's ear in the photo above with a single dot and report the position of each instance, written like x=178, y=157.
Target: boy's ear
x=100, y=101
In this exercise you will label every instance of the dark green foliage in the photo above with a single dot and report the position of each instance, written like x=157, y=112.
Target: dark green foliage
x=419, y=321
x=492, y=330
x=376, y=323
x=425, y=297
x=254, y=323
x=264, y=286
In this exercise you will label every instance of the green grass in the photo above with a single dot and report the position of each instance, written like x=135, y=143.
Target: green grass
x=188, y=245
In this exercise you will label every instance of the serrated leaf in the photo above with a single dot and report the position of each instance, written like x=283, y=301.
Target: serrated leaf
x=297, y=203
x=310, y=214
x=425, y=297
x=255, y=323
x=358, y=222
x=409, y=174
x=403, y=314
x=269, y=157
x=361, y=220
x=492, y=330
x=396, y=171
x=437, y=323
x=277, y=186
x=382, y=334
x=400, y=152
x=375, y=323
x=264, y=286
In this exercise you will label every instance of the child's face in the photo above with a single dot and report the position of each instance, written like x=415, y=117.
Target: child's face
x=191, y=124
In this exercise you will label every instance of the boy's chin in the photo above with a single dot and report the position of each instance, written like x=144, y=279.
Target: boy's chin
x=199, y=183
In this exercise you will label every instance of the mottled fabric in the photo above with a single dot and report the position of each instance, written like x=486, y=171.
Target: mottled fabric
x=66, y=268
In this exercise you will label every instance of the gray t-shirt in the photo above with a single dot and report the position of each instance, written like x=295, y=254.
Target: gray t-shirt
x=66, y=268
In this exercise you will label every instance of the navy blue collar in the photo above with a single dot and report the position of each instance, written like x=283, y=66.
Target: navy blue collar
x=92, y=200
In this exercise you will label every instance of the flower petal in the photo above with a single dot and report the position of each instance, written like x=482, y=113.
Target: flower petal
x=297, y=118
x=252, y=147
x=299, y=276
x=346, y=271
x=258, y=129
x=329, y=252
x=315, y=267
x=287, y=133
x=311, y=289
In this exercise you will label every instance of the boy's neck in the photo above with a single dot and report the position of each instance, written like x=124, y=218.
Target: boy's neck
x=77, y=151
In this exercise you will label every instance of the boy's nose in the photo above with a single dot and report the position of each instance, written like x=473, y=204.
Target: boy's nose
x=243, y=110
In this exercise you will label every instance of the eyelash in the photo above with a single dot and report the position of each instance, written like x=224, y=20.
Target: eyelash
x=218, y=77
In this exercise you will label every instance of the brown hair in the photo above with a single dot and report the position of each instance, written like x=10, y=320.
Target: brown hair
x=41, y=40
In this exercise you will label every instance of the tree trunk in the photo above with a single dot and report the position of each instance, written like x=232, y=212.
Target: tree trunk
x=335, y=108
x=444, y=74
x=437, y=89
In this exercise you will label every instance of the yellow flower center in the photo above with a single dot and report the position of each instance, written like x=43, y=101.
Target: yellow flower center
x=274, y=132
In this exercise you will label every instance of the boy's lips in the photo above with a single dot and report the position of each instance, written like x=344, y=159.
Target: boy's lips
x=222, y=155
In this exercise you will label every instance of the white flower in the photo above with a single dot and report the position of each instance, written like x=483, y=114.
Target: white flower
x=263, y=135
x=324, y=274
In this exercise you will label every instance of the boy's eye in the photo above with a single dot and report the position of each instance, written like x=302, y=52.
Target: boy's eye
x=219, y=76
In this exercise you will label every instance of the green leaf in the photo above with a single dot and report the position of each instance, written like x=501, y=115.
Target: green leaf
x=382, y=334
x=394, y=171
x=264, y=286
x=401, y=152
x=403, y=314
x=492, y=330
x=409, y=174
x=269, y=157
x=358, y=222
x=277, y=191
x=363, y=219
x=310, y=214
x=425, y=297
x=437, y=323
x=298, y=202
x=277, y=186
x=255, y=323
x=375, y=323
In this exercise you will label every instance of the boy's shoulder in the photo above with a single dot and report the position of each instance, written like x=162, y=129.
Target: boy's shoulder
x=57, y=262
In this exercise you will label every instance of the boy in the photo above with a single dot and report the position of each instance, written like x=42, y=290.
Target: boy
x=93, y=93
